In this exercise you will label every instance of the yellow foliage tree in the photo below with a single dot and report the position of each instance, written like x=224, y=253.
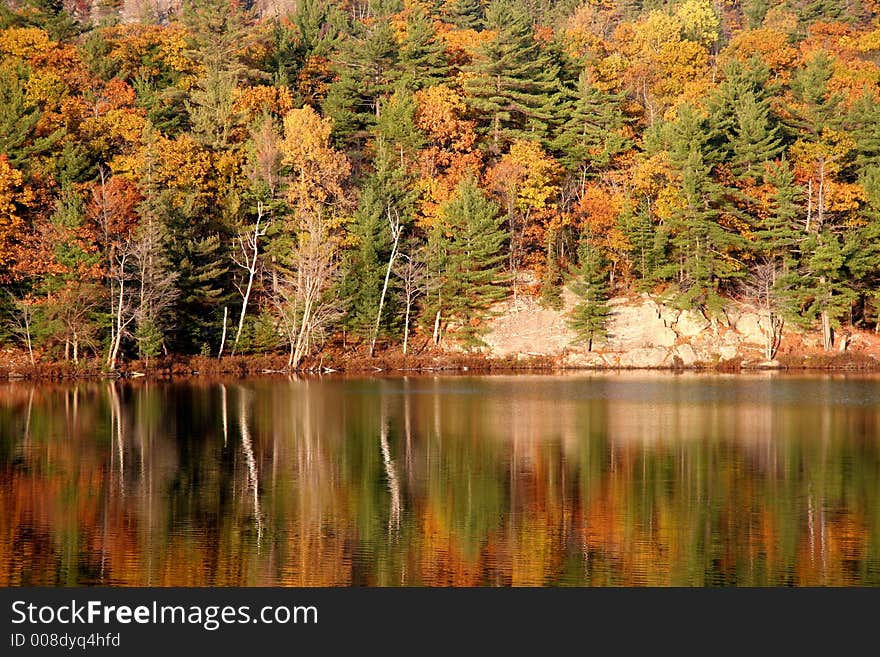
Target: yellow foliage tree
x=12, y=196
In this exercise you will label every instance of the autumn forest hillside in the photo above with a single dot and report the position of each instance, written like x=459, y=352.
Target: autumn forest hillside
x=211, y=178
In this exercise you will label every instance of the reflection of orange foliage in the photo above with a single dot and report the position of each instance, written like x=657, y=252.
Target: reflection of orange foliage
x=442, y=562
x=91, y=498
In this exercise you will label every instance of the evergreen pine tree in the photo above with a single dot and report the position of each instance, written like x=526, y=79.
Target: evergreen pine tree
x=466, y=262
x=199, y=311
x=362, y=283
x=366, y=75
x=386, y=198
x=512, y=84
x=423, y=55
x=829, y=294
x=744, y=131
x=755, y=139
x=864, y=127
x=465, y=14
x=217, y=32
x=590, y=315
x=778, y=234
x=648, y=245
x=755, y=11
x=593, y=133
x=815, y=107
x=49, y=15
x=774, y=281
x=18, y=120
x=699, y=266
x=551, y=282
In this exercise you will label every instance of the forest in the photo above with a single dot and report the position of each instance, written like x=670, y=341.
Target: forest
x=215, y=178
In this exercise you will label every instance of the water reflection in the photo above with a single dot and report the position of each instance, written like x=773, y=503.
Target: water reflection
x=599, y=480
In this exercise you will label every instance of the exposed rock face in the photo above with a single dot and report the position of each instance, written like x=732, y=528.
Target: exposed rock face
x=159, y=11
x=529, y=330
x=642, y=333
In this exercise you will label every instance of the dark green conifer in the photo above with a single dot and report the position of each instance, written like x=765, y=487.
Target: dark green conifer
x=466, y=263
x=422, y=55
x=512, y=85
x=588, y=319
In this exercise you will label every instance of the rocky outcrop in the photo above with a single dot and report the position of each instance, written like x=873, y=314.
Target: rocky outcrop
x=642, y=333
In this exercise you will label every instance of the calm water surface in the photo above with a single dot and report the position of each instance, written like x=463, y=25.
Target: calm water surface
x=502, y=480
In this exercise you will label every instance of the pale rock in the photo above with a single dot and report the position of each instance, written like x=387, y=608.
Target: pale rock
x=585, y=359
x=691, y=324
x=687, y=354
x=750, y=328
x=637, y=326
x=645, y=357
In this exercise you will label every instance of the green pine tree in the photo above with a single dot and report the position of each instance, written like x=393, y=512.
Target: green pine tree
x=777, y=236
x=423, y=55
x=386, y=198
x=18, y=120
x=589, y=318
x=217, y=31
x=863, y=124
x=465, y=14
x=648, y=245
x=755, y=139
x=815, y=107
x=203, y=271
x=149, y=339
x=827, y=294
x=512, y=85
x=551, y=282
x=702, y=261
x=367, y=72
x=593, y=134
x=744, y=131
x=466, y=263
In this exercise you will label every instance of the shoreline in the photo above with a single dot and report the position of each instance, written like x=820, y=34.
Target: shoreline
x=393, y=362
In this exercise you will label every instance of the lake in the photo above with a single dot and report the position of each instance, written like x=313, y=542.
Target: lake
x=577, y=479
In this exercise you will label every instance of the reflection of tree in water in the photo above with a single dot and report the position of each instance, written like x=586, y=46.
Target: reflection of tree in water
x=248, y=449
x=473, y=481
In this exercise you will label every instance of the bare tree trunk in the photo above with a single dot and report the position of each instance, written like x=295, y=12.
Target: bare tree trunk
x=27, y=334
x=406, y=326
x=302, y=335
x=396, y=229
x=827, y=332
x=809, y=204
x=223, y=337
x=437, y=328
x=118, y=323
x=250, y=246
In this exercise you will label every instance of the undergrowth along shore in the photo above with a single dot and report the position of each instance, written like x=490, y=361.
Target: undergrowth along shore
x=180, y=367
